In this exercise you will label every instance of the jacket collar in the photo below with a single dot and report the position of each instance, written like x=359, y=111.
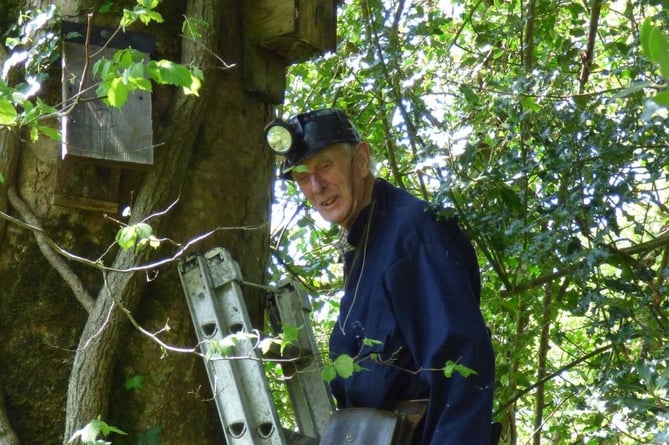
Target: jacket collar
x=358, y=227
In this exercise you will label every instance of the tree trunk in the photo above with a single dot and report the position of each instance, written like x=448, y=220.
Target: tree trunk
x=7, y=435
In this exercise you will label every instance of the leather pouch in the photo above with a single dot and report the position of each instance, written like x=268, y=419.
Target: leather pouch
x=363, y=426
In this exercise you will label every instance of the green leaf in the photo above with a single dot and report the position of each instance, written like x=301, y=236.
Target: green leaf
x=89, y=433
x=108, y=429
x=34, y=133
x=150, y=4
x=167, y=72
x=662, y=98
x=451, y=367
x=2, y=179
x=118, y=93
x=7, y=112
x=470, y=95
x=139, y=83
x=143, y=230
x=51, y=133
x=104, y=68
x=329, y=373
x=194, y=87
x=134, y=382
x=290, y=333
x=224, y=346
x=659, y=50
x=529, y=103
x=126, y=237
x=289, y=336
x=644, y=33
x=344, y=366
x=371, y=342
x=510, y=198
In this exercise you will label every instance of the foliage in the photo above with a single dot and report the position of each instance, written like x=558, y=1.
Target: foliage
x=542, y=126
x=32, y=50
x=90, y=433
x=134, y=383
x=655, y=46
x=343, y=366
x=452, y=367
x=138, y=236
x=128, y=72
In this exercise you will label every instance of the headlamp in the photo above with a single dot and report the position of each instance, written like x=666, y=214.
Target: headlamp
x=279, y=137
x=305, y=134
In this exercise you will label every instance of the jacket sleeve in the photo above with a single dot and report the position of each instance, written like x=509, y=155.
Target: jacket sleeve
x=439, y=317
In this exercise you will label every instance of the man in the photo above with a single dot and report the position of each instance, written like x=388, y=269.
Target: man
x=411, y=282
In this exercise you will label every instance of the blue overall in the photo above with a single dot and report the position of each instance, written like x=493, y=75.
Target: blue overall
x=413, y=287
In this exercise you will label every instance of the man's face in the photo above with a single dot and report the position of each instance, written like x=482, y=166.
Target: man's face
x=333, y=180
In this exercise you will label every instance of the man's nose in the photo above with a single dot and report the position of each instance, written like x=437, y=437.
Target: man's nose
x=316, y=181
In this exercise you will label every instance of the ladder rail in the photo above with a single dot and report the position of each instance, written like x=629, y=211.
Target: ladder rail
x=310, y=396
x=247, y=413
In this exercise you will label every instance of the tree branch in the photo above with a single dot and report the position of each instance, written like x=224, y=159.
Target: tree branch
x=661, y=241
x=71, y=278
x=588, y=54
x=552, y=375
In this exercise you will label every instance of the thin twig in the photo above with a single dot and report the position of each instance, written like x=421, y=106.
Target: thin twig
x=137, y=326
x=145, y=267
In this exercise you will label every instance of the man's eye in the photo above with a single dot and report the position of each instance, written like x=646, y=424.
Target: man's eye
x=324, y=165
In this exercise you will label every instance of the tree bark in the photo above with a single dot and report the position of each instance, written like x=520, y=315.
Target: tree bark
x=7, y=435
x=8, y=157
x=589, y=53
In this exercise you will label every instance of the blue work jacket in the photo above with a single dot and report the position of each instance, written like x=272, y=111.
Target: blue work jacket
x=412, y=286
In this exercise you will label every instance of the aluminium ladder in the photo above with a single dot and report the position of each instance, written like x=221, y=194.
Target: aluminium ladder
x=211, y=283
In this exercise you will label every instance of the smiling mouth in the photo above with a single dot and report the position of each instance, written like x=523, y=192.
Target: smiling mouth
x=328, y=202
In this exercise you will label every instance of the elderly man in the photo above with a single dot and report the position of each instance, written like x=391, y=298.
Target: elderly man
x=411, y=287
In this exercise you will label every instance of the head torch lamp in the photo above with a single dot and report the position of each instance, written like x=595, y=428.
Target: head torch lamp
x=305, y=134
x=279, y=137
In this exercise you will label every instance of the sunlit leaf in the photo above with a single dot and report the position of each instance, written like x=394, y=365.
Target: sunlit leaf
x=51, y=133
x=126, y=237
x=662, y=98
x=7, y=112
x=344, y=365
x=451, y=367
x=644, y=35
x=117, y=95
x=659, y=50
x=329, y=373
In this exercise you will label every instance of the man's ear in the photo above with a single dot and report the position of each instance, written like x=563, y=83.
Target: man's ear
x=363, y=157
